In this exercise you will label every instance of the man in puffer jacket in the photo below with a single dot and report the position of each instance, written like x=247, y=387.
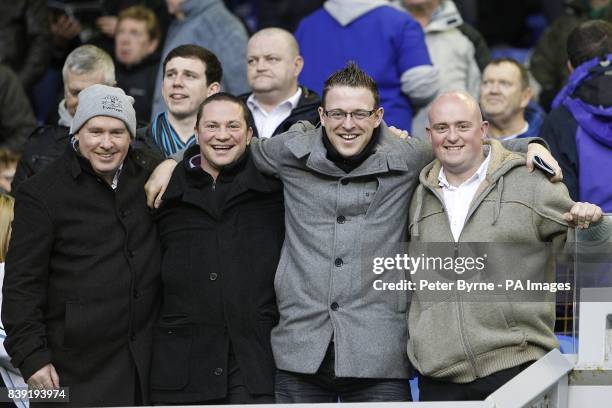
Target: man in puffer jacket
x=467, y=345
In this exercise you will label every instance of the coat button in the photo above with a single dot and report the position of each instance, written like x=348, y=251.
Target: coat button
x=341, y=219
x=338, y=262
x=218, y=371
x=132, y=337
x=131, y=253
x=212, y=276
x=170, y=332
x=123, y=214
x=136, y=294
x=334, y=306
x=344, y=182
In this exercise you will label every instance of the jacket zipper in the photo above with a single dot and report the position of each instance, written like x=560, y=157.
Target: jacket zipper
x=462, y=332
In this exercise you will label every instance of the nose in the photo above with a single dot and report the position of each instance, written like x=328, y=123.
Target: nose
x=177, y=81
x=348, y=122
x=105, y=142
x=222, y=134
x=452, y=135
x=261, y=64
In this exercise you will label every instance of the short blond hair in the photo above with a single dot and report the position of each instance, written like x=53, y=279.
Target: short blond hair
x=7, y=204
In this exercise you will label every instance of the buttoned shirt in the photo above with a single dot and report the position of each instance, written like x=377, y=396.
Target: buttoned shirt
x=457, y=200
x=267, y=122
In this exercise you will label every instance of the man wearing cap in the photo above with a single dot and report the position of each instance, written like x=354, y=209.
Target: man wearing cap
x=81, y=290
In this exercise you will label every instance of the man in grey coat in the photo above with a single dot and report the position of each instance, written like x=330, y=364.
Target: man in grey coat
x=346, y=184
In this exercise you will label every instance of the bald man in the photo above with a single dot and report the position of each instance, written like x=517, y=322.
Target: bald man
x=276, y=101
x=477, y=191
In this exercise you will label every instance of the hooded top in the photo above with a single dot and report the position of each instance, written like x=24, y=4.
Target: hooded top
x=384, y=41
x=587, y=99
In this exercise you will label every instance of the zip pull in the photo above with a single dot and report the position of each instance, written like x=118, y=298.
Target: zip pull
x=214, y=185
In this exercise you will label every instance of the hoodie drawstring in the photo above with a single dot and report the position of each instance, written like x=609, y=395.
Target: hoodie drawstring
x=497, y=210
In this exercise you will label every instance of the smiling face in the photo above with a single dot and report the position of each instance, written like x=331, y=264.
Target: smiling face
x=502, y=94
x=349, y=135
x=132, y=41
x=104, y=141
x=185, y=86
x=223, y=135
x=456, y=132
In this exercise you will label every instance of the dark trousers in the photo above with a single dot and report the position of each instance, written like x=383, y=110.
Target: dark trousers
x=431, y=389
x=324, y=386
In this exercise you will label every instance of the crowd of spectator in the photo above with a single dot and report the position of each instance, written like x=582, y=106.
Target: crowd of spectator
x=212, y=84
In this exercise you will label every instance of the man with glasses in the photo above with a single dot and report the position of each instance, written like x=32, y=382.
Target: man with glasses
x=346, y=184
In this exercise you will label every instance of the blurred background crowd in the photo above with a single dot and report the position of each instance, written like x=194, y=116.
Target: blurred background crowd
x=461, y=37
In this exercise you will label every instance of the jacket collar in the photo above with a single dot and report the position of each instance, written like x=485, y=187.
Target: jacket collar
x=189, y=181
x=79, y=165
x=309, y=146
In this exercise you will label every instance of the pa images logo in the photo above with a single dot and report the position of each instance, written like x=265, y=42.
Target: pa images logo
x=112, y=103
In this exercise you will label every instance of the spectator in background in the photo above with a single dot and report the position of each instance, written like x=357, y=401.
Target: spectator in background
x=190, y=74
x=454, y=47
x=579, y=128
x=24, y=39
x=136, y=42
x=386, y=43
x=209, y=24
x=8, y=166
x=505, y=97
x=16, y=117
x=549, y=60
x=85, y=66
x=276, y=101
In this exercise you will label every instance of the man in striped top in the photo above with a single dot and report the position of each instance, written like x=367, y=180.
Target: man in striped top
x=190, y=74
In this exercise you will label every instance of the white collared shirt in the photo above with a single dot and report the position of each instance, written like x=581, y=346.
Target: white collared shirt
x=457, y=200
x=266, y=123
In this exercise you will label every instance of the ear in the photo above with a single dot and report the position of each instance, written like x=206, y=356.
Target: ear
x=570, y=67
x=298, y=64
x=152, y=46
x=484, y=128
x=428, y=130
x=526, y=96
x=249, y=135
x=213, y=88
x=197, y=135
x=321, y=116
x=380, y=112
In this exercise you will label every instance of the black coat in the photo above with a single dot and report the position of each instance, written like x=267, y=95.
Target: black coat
x=82, y=283
x=220, y=249
x=139, y=82
x=306, y=109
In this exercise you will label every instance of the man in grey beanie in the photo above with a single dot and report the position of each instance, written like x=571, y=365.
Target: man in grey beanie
x=81, y=289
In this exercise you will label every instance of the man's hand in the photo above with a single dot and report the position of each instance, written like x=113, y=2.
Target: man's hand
x=583, y=214
x=536, y=149
x=107, y=25
x=398, y=133
x=45, y=379
x=158, y=181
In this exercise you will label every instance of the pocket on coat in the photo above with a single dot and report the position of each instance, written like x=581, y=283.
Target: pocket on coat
x=171, y=357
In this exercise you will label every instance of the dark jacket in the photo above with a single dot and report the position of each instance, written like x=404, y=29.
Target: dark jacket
x=24, y=38
x=17, y=120
x=138, y=81
x=82, y=283
x=47, y=143
x=220, y=247
x=306, y=109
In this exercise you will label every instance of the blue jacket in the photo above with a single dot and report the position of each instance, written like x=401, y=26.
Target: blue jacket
x=383, y=41
x=209, y=24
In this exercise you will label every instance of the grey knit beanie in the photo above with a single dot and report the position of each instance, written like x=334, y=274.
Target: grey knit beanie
x=104, y=100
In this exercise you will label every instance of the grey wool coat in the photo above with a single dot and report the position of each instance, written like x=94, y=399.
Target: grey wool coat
x=322, y=290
